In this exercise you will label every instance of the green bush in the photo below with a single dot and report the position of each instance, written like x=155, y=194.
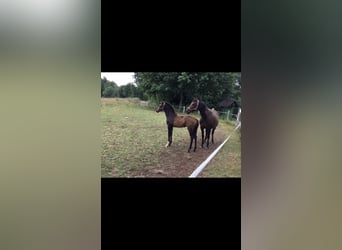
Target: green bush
x=108, y=92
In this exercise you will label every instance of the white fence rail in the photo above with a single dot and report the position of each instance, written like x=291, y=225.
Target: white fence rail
x=143, y=103
x=225, y=114
x=205, y=163
x=199, y=169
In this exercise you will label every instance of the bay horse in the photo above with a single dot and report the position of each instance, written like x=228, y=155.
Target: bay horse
x=209, y=119
x=178, y=121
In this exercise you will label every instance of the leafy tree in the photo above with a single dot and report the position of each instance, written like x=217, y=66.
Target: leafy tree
x=171, y=86
x=128, y=90
x=106, y=84
x=108, y=91
x=103, y=80
x=182, y=87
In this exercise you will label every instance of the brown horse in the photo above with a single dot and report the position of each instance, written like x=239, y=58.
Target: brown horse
x=178, y=121
x=209, y=119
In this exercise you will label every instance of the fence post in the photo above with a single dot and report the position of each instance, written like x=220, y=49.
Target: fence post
x=238, y=116
x=183, y=109
x=228, y=115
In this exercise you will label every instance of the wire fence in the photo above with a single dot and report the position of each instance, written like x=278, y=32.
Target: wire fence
x=229, y=115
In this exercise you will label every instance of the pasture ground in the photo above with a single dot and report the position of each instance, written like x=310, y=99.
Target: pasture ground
x=134, y=138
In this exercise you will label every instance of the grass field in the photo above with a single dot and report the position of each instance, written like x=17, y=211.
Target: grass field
x=133, y=139
x=227, y=163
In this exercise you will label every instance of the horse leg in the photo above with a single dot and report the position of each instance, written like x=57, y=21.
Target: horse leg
x=207, y=136
x=191, y=138
x=212, y=135
x=202, y=130
x=194, y=134
x=169, y=128
x=170, y=136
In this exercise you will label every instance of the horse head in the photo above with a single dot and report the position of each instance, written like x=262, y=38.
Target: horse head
x=160, y=107
x=193, y=106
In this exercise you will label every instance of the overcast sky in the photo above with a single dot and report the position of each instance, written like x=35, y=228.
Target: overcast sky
x=120, y=78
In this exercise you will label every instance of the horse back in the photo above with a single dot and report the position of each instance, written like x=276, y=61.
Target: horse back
x=185, y=121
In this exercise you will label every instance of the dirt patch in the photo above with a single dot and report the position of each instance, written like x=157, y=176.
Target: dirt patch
x=175, y=161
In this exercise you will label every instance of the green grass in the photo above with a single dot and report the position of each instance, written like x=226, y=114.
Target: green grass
x=132, y=137
x=227, y=162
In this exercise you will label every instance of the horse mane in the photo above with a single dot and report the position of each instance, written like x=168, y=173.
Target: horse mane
x=171, y=107
x=212, y=110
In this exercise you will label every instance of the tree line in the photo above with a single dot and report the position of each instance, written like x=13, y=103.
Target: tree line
x=111, y=89
x=179, y=87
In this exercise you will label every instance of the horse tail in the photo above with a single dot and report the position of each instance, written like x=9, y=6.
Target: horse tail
x=196, y=126
x=214, y=112
x=216, y=116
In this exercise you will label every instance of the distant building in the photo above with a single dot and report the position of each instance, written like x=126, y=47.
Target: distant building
x=230, y=104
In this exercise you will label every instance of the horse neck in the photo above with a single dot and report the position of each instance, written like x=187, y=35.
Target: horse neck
x=202, y=109
x=169, y=111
